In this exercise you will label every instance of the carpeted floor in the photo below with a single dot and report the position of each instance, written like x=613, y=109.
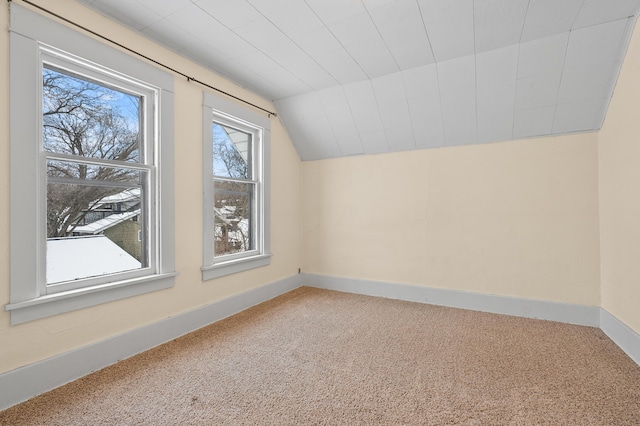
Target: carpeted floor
x=318, y=357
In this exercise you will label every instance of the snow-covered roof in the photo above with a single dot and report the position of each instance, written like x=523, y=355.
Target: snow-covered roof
x=82, y=257
x=100, y=225
x=121, y=197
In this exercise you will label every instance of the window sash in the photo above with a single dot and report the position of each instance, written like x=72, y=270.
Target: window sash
x=247, y=159
x=76, y=67
x=146, y=265
x=251, y=247
x=254, y=162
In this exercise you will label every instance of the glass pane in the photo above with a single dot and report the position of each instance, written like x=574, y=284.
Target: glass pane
x=233, y=217
x=88, y=119
x=231, y=152
x=94, y=229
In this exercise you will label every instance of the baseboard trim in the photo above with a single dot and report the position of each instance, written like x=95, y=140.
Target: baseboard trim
x=552, y=311
x=26, y=382
x=623, y=336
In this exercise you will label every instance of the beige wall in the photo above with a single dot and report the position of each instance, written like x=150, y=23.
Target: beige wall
x=518, y=218
x=619, y=168
x=27, y=343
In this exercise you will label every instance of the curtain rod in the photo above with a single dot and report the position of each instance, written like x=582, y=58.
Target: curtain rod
x=189, y=78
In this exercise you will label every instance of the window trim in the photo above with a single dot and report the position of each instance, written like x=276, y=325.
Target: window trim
x=29, y=31
x=215, y=267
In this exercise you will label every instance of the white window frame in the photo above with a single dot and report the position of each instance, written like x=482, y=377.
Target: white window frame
x=224, y=111
x=58, y=60
x=35, y=40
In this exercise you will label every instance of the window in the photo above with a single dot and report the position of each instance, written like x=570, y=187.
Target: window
x=96, y=147
x=236, y=185
x=91, y=147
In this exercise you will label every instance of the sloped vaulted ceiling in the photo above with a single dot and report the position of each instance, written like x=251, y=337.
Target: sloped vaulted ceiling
x=353, y=77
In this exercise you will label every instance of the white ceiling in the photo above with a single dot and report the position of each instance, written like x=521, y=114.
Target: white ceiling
x=355, y=77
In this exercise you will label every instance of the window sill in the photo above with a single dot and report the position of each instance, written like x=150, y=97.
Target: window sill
x=57, y=303
x=221, y=269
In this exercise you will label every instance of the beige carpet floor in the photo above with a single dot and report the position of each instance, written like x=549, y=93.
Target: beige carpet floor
x=318, y=357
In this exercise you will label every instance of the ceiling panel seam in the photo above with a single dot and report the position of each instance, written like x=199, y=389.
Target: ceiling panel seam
x=424, y=25
x=524, y=22
x=577, y=15
x=330, y=124
x=296, y=44
x=353, y=120
x=564, y=60
x=515, y=95
x=406, y=100
x=380, y=35
x=384, y=131
x=253, y=45
x=338, y=40
x=444, y=128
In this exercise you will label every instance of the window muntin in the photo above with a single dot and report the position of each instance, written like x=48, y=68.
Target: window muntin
x=234, y=220
x=236, y=188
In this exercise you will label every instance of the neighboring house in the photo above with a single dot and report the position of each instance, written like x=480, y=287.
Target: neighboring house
x=122, y=228
x=121, y=202
x=117, y=217
x=71, y=258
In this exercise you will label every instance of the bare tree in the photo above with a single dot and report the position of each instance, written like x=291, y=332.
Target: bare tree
x=226, y=152
x=82, y=119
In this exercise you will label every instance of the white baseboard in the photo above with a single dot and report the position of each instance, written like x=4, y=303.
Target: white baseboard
x=26, y=382
x=627, y=339
x=593, y=316
x=552, y=311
